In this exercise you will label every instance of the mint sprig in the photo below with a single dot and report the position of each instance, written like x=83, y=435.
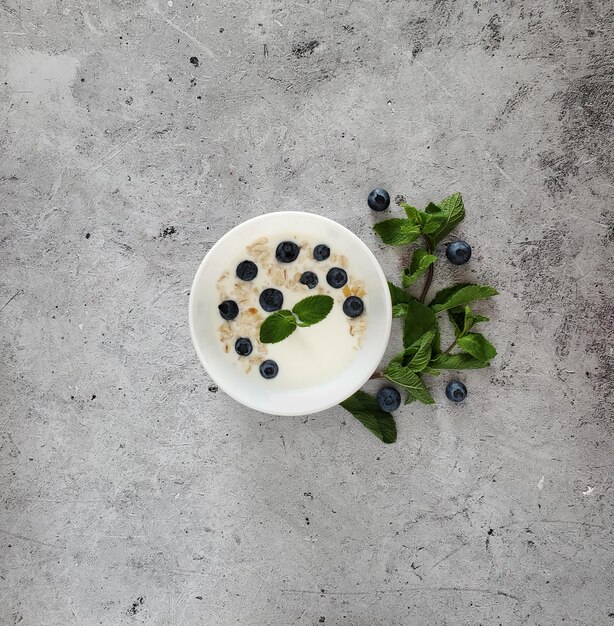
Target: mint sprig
x=307, y=312
x=422, y=353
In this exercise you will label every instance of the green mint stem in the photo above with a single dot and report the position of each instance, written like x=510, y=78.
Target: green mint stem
x=429, y=273
x=450, y=347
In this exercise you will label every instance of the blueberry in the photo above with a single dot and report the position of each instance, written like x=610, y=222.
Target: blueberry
x=247, y=270
x=353, y=306
x=456, y=391
x=243, y=346
x=229, y=309
x=269, y=369
x=271, y=300
x=286, y=252
x=310, y=279
x=336, y=277
x=388, y=399
x=458, y=252
x=321, y=252
x=379, y=199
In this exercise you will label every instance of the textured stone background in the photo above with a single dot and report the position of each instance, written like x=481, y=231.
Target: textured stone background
x=132, y=491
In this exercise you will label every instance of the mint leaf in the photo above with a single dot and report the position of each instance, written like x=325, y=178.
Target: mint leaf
x=431, y=371
x=444, y=217
x=397, y=231
x=457, y=319
x=445, y=294
x=433, y=218
x=432, y=209
x=463, y=320
x=398, y=359
x=423, y=355
x=410, y=381
x=365, y=409
x=277, y=326
x=462, y=361
x=413, y=215
x=477, y=346
x=419, y=264
x=462, y=294
x=418, y=320
x=313, y=309
x=399, y=310
x=420, y=261
x=397, y=295
x=282, y=324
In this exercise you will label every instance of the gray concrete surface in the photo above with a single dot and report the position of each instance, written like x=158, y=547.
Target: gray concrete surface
x=132, y=491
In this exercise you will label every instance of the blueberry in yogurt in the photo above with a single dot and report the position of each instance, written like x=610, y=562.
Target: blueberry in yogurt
x=310, y=279
x=321, y=252
x=287, y=251
x=247, y=270
x=271, y=300
x=353, y=306
x=229, y=309
x=243, y=346
x=336, y=277
x=269, y=369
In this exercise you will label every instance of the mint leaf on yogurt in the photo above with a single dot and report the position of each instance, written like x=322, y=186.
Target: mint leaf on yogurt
x=312, y=309
x=277, y=327
x=281, y=324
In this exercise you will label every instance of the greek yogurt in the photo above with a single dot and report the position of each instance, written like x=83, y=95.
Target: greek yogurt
x=275, y=272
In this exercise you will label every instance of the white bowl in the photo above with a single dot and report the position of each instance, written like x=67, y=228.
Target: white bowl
x=204, y=318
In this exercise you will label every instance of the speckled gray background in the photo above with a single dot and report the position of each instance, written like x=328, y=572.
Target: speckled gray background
x=131, y=491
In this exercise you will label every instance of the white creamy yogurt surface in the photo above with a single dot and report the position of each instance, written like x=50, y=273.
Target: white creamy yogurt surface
x=310, y=355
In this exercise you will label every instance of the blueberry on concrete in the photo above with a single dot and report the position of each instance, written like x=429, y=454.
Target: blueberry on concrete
x=388, y=399
x=229, y=309
x=243, y=346
x=310, y=279
x=458, y=252
x=286, y=252
x=247, y=270
x=353, y=306
x=269, y=369
x=379, y=199
x=456, y=391
x=271, y=300
x=336, y=277
x=321, y=252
